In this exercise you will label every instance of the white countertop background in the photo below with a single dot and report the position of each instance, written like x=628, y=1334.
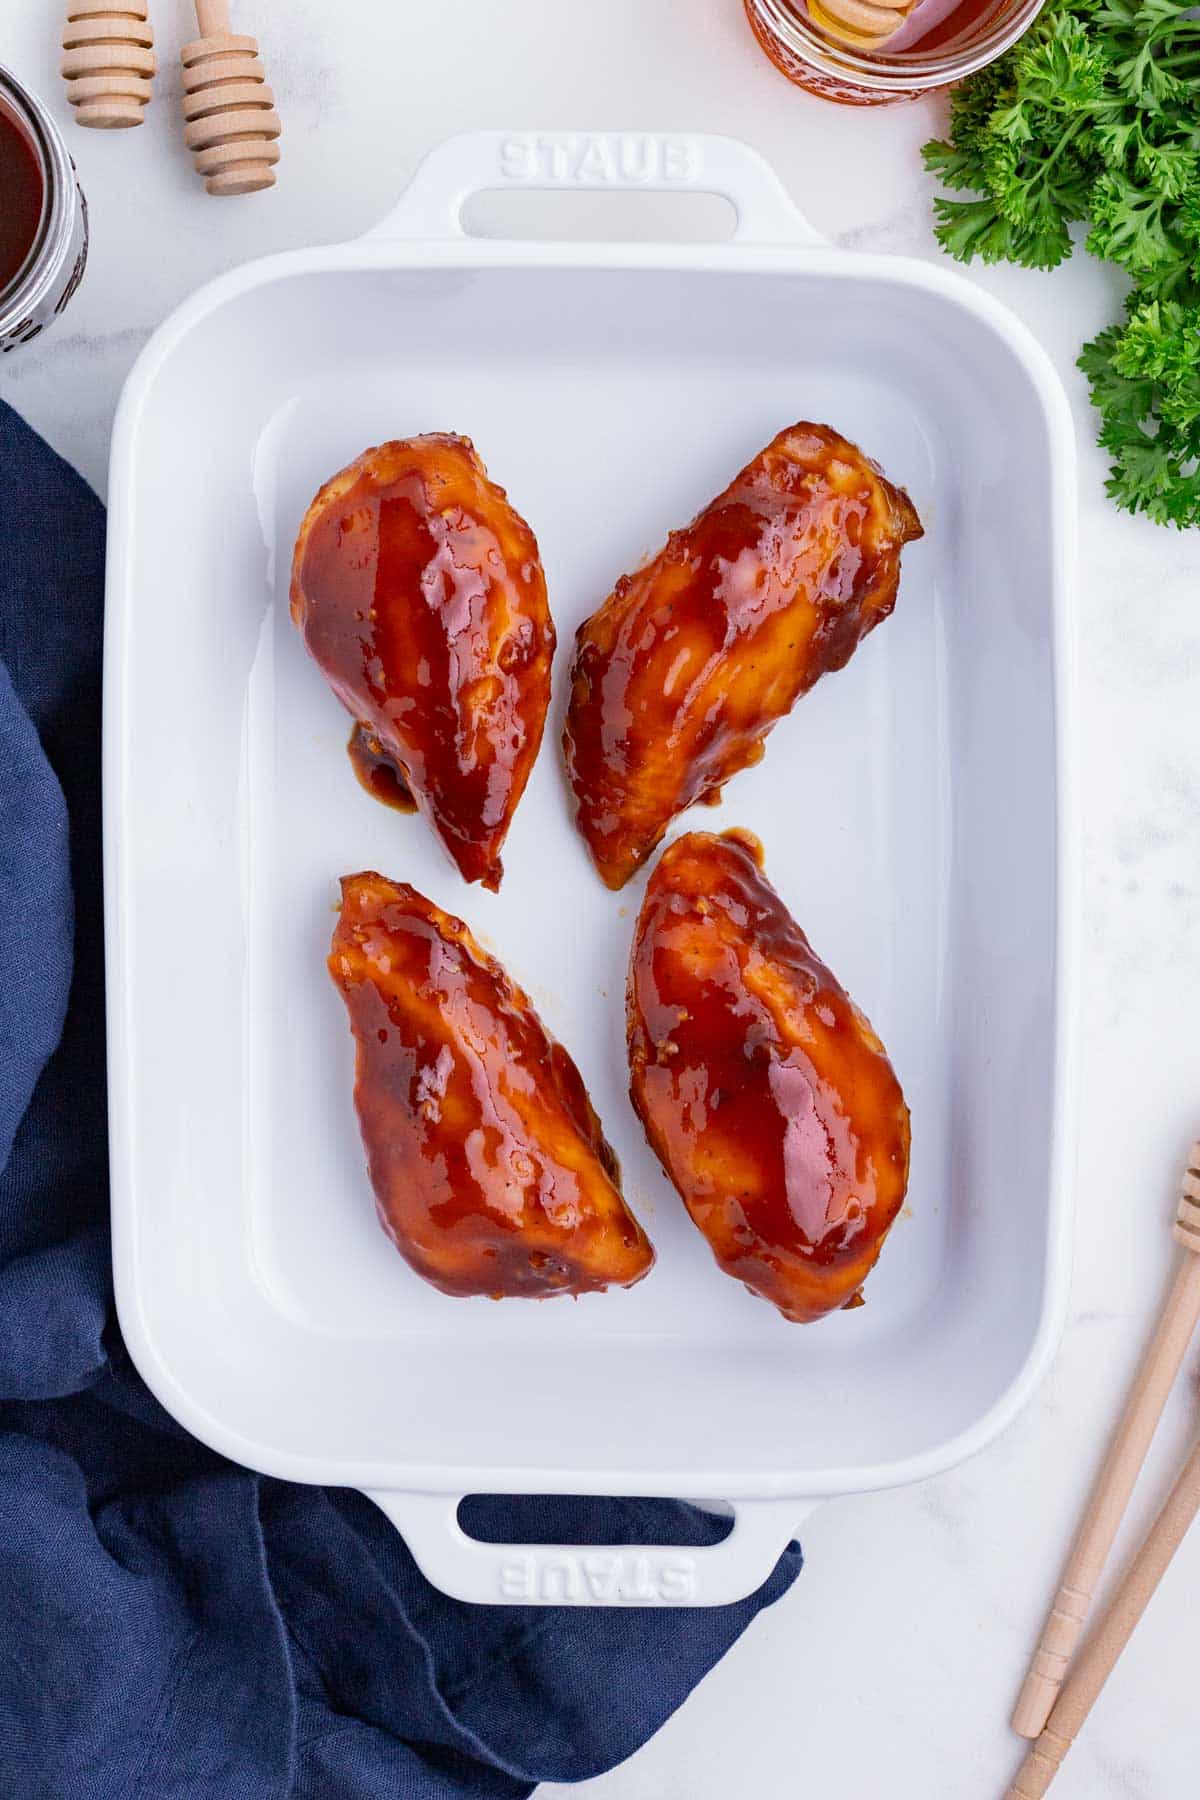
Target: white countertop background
x=888, y=1671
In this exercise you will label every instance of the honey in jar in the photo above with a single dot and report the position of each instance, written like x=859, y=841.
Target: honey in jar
x=878, y=52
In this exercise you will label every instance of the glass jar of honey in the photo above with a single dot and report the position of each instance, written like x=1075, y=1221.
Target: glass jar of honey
x=840, y=57
x=43, y=217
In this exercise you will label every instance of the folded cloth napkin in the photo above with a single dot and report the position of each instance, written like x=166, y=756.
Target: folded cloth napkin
x=172, y=1625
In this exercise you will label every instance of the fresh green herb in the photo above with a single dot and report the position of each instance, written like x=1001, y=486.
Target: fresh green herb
x=1095, y=116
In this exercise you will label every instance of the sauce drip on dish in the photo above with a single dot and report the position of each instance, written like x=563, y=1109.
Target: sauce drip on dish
x=377, y=772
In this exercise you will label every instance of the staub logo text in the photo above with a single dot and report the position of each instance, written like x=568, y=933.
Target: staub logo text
x=598, y=1578
x=626, y=158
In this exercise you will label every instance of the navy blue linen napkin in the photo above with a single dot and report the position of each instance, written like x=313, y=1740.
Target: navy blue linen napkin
x=172, y=1625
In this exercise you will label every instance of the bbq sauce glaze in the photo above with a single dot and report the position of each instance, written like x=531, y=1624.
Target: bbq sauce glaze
x=681, y=674
x=420, y=594
x=491, y=1172
x=766, y=1095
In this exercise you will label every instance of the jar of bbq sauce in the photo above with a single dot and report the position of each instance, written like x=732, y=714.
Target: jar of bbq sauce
x=43, y=217
x=841, y=61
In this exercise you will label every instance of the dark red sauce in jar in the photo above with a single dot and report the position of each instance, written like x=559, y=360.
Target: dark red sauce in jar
x=22, y=197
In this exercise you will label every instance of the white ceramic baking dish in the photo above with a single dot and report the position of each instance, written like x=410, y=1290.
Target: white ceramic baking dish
x=916, y=810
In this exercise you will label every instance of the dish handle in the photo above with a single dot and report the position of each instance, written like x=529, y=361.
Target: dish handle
x=697, y=162
x=592, y=1575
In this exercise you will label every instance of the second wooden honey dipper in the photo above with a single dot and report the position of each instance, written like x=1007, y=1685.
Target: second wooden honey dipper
x=1097, y=1661
x=108, y=61
x=232, y=127
x=1120, y=1472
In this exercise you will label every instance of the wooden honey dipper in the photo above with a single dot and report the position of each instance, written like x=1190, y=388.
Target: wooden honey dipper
x=857, y=23
x=1119, y=1474
x=108, y=61
x=1098, y=1659
x=232, y=126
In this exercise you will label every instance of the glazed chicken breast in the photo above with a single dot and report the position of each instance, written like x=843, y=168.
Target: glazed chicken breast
x=420, y=594
x=683, y=671
x=490, y=1169
x=764, y=1092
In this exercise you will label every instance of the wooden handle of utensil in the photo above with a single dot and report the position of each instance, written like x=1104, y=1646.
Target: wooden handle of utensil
x=108, y=61
x=1098, y=1659
x=1119, y=1474
x=232, y=128
x=212, y=18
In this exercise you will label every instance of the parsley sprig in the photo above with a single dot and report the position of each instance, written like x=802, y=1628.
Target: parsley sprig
x=1095, y=117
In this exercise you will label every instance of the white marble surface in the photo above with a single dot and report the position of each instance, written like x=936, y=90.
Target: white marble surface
x=889, y=1668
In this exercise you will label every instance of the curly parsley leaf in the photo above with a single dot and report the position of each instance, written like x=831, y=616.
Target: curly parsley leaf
x=1145, y=382
x=1095, y=116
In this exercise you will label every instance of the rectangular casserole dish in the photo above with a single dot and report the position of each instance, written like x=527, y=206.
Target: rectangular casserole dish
x=916, y=810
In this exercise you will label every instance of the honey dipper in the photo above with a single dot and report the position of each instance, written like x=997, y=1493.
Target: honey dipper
x=857, y=23
x=108, y=61
x=1121, y=1468
x=232, y=126
x=1097, y=1661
